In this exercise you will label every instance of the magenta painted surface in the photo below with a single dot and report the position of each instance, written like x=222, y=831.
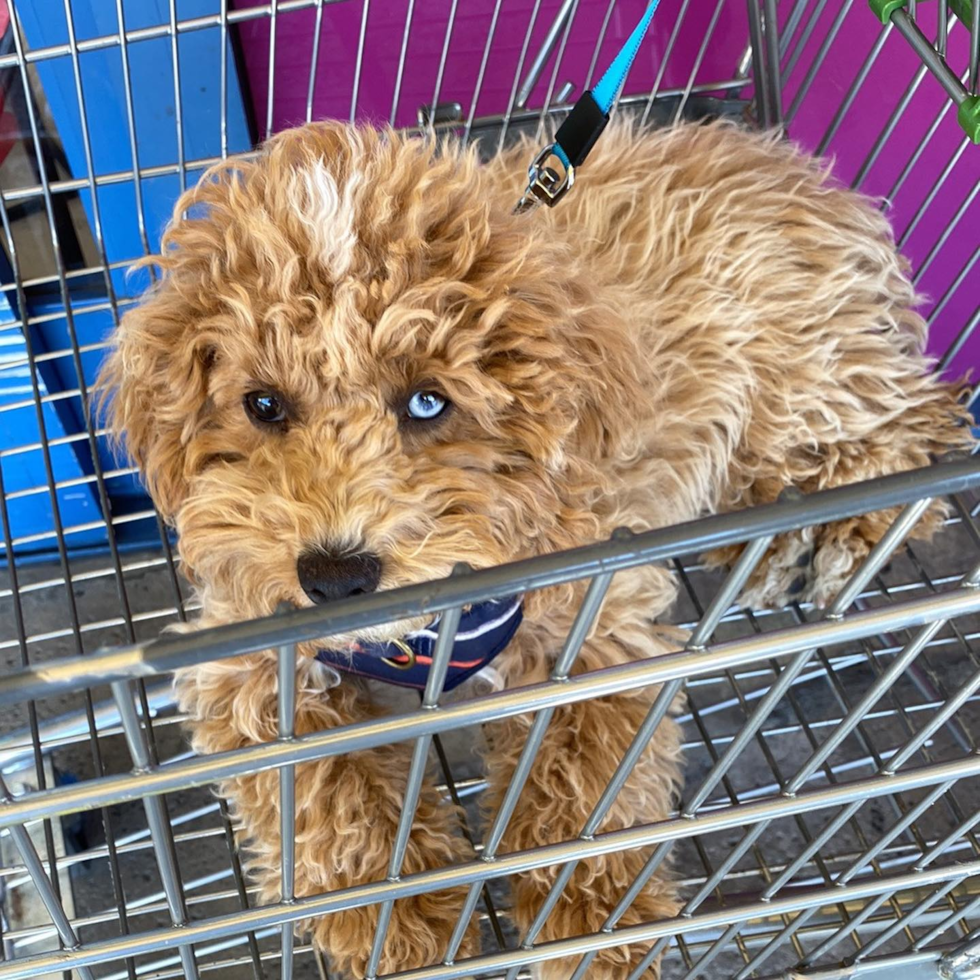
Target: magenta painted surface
x=885, y=84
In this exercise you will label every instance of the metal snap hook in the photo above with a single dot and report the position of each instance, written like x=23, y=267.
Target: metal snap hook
x=545, y=184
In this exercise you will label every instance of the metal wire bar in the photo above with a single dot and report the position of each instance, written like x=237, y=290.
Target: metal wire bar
x=904, y=921
x=441, y=69
x=818, y=59
x=448, y=627
x=562, y=16
x=359, y=62
x=74, y=184
x=156, y=817
x=223, y=77
x=899, y=759
x=947, y=923
x=605, y=682
x=974, y=47
x=919, y=149
x=761, y=75
x=54, y=355
x=964, y=959
x=396, y=94
x=546, y=105
x=698, y=59
x=807, y=914
x=582, y=625
x=597, y=48
x=512, y=99
x=20, y=324
x=749, y=842
x=158, y=968
x=892, y=539
x=772, y=62
x=271, y=76
x=14, y=753
x=964, y=335
x=77, y=481
x=77, y=362
x=188, y=25
x=804, y=40
x=908, y=28
x=925, y=678
x=948, y=228
x=87, y=526
x=135, y=174
x=895, y=856
x=97, y=232
x=961, y=338
x=717, y=531
x=898, y=531
x=130, y=844
x=286, y=703
x=729, y=591
x=896, y=114
x=870, y=697
x=931, y=196
x=792, y=23
x=222, y=926
x=105, y=624
x=55, y=509
x=314, y=60
x=491, y=33
x=668, y=51
x=942, y=28
x=452, y=789
x=241, y=892
x=178, y=101
x=45, y=890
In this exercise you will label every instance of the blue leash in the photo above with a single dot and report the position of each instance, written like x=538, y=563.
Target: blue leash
x=578, y=133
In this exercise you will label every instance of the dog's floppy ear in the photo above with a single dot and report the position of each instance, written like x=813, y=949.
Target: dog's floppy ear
x=153, y=387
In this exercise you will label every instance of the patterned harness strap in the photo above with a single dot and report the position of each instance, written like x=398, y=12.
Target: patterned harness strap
x=484, y=630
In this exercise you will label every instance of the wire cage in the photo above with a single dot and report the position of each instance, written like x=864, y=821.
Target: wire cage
x=828, y=825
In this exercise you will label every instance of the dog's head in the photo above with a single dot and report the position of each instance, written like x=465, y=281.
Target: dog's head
x=358, y=368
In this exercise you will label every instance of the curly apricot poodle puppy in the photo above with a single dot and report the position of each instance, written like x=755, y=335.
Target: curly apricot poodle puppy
x=359, y=367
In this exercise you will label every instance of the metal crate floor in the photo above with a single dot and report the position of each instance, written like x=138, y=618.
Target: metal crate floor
x=718, y=706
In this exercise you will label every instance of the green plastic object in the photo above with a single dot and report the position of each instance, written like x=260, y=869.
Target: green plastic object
x=883, y=9
x=968, y=116
x=962, y=9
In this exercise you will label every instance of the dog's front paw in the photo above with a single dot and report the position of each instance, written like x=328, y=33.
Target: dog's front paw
x=811, y=565
x=784, y=574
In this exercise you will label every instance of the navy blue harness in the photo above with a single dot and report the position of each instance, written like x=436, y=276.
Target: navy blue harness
x=484, y=630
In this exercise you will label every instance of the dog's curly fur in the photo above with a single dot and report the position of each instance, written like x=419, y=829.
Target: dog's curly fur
x=705, y=321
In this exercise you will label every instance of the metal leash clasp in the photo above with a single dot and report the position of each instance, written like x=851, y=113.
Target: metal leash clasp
x=545, y=185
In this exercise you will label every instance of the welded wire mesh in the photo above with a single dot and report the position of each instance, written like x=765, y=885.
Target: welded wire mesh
x=796, y=843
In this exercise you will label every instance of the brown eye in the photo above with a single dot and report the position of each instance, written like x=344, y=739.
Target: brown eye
x=266, y=407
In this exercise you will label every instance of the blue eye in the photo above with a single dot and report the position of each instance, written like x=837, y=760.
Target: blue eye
x=426, y=405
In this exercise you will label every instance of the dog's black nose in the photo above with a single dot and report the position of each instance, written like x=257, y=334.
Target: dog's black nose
x=325, y=577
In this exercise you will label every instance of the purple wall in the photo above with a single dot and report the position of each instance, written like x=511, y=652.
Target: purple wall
x=888, y=80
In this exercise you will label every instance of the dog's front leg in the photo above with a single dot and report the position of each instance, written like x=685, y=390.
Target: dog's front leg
x=580, y=751
x=347, y=810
